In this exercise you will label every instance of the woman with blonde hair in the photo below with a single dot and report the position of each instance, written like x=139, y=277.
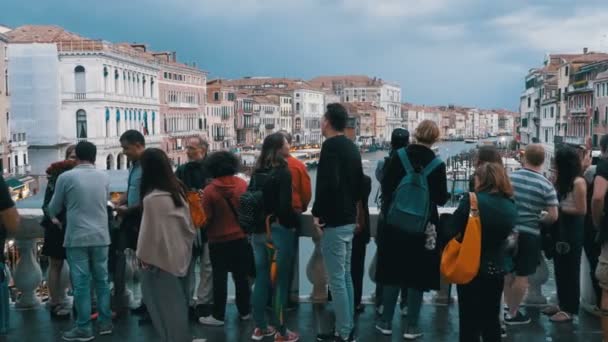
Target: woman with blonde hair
x=410, y=260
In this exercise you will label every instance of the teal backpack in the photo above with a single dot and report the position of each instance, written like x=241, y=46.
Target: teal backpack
x=410, y=208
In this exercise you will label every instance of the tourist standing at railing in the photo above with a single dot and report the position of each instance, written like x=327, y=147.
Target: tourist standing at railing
x=407, y=260
x=272, y=175
x=195, y=177
x=489, y=154
x=599, y=207
x=228, y=246
x=568, y=234
x=9, y=223
x=479, y=300
x=485, y=154
x=592, y=244
x=129, y=210
x=338, y=190
x=300, y=199
x=164, y=247
x=54, y=233
x=537, y=204
x=83, y=193
x=400, y=138
x=360, y=241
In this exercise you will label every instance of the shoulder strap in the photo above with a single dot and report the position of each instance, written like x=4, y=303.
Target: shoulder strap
x=432, y=166
x=473, y=203
x=405, y=161
x=236, y=215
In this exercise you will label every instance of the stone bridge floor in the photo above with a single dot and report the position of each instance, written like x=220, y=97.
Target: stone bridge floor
x=440, y=323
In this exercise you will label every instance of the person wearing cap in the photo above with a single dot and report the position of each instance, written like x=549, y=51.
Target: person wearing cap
x=400, y=138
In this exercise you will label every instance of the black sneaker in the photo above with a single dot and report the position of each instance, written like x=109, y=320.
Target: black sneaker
x=503, y=331
x=518, y=319
x=326, y=337
x=140, y=310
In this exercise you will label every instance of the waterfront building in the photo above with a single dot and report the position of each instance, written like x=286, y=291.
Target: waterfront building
x=309, y=108
x=600, y=113
x=67, y=88
x=246, y=124
x=183, y=95
x=220, y=115
x=268, y=108
x=13, y=145
x=370, y=122
x=357, y=88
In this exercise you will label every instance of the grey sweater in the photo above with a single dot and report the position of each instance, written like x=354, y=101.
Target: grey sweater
x=83, y=192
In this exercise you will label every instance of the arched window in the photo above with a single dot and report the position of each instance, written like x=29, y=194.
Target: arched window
x=105, y=79
x=145, y=129
x=107, y=122
x=81, y=124
x=143, y=86
x=117, y=122
x=80, y=81
x=116, y=78
x=152, y=87
x=153, y=123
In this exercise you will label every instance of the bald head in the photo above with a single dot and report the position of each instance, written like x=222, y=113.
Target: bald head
x=534, y=155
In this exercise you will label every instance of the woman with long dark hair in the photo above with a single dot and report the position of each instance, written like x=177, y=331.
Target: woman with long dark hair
x=272, y=176
x=568, y=233
x=164, y=247
x=54, y=234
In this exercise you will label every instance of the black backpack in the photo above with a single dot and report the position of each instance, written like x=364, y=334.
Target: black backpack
x=251, y=213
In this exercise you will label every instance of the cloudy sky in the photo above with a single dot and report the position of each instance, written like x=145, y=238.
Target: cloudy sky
x=470, y=52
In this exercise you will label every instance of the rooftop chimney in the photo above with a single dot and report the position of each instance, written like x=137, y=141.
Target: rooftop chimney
x=173, y=56
x=139, y=47
x=585, y=50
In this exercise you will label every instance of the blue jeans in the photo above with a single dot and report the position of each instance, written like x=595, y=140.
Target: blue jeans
x=283, y=240
x=4, y=300
x=85, y=262
x=337, y=245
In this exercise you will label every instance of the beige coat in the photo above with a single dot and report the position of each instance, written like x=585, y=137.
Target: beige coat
x=166, y=234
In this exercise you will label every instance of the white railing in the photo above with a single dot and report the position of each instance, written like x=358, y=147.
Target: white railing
x=27, y=273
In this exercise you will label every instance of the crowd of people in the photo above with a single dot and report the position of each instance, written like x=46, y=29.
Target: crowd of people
x=251, y=231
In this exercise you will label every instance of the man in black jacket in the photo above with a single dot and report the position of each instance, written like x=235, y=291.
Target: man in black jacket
x=339, y=184
x=194, y=175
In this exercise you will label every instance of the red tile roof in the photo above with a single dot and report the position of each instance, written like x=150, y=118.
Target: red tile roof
x=42, y=34
x=330, y=82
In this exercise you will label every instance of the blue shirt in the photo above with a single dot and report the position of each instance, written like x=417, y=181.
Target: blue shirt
x=533, y=194
x=83, y=192
x=133, y=190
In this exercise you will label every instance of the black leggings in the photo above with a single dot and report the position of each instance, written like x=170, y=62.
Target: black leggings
x=234, y=257
x=479, y=307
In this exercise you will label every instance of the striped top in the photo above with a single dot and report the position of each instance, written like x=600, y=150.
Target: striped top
x=533, y=194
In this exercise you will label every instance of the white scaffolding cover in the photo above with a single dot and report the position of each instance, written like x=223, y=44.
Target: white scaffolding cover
x=34, y=85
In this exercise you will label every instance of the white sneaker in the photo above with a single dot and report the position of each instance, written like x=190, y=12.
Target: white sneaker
x=210, y=321
x=199, y=340
x=246, y=317
x=404, y=311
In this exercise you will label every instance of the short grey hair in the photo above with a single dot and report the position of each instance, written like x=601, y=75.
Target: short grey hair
x=202, y=142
